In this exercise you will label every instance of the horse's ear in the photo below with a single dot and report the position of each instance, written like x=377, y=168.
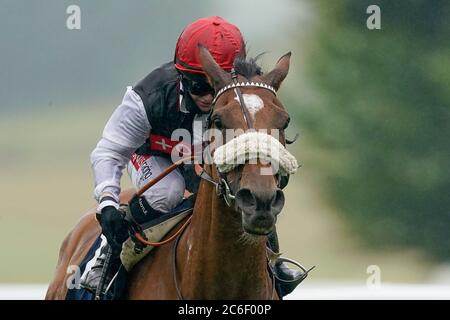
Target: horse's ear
x=218, y=77
x=277, y=75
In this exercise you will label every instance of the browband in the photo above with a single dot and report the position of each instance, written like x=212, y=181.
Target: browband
x=243, y=84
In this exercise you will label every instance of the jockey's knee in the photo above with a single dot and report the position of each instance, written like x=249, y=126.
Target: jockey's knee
x=166, y=194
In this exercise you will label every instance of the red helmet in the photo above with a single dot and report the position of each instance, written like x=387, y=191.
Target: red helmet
x=223, y=40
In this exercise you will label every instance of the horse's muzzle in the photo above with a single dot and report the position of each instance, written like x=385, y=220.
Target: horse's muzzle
x=259, y=209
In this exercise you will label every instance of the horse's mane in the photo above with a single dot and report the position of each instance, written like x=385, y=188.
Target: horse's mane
x=248, y=67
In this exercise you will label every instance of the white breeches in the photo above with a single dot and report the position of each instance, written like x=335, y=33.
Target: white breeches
x=164, y=195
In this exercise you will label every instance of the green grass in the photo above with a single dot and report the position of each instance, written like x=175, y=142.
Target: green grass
x=46, y=185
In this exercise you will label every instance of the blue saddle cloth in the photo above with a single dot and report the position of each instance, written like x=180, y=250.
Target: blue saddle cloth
x=83, y=294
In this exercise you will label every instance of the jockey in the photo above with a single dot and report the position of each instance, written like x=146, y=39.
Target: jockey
x=138, y=136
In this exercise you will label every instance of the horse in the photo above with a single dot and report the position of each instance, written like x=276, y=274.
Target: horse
x=222, y=253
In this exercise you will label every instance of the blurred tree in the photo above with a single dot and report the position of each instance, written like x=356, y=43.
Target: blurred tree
x=381, y=114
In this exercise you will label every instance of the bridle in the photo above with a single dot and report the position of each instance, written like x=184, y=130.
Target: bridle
x=222, y=186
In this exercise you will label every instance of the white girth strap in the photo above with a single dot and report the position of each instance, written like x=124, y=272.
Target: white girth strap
x=254, y=145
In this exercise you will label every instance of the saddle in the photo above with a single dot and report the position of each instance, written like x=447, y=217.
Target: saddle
x=153, y=230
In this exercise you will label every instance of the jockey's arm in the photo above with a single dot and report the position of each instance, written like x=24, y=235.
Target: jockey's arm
x=125, y=131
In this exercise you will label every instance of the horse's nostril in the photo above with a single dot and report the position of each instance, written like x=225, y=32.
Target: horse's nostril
x=252, y=201
x=245, y=198
x=278, y=202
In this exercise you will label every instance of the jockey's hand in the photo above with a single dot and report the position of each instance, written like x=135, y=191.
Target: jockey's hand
x=114, y=227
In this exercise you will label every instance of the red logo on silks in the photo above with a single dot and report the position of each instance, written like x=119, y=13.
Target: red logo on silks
x=137, y=160
x=166, y=145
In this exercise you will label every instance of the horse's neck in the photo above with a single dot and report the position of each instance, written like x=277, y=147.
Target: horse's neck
x=220, y=261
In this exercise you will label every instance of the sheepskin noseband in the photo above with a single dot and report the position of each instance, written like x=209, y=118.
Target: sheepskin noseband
x=254, y=145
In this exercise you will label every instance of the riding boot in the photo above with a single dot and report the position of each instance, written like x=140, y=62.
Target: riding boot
x=287, y=279
x=91, y=279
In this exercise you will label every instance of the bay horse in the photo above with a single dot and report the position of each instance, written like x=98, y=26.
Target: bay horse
x=222, y=254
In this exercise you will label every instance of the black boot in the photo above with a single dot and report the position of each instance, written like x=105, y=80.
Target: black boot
x=91, y=280
x=287, y=279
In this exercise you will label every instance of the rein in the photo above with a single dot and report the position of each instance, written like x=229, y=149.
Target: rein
x=222, y=189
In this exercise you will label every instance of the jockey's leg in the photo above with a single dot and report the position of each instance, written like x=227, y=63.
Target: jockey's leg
x=166, y=194
x=162, y=197
x=282, y=270
x=92, y=274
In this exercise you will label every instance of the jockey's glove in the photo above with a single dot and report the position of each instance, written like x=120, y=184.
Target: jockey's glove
x=114, y=227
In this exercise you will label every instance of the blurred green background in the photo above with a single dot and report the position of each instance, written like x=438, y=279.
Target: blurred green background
x=372, y=108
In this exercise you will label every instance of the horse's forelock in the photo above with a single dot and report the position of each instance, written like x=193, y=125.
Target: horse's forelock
x=248, y=67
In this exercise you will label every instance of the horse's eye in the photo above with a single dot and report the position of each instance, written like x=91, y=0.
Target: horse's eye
x=218, y=123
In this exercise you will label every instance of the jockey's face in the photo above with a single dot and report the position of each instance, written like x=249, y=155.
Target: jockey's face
x=199, y=89
x=203, y=102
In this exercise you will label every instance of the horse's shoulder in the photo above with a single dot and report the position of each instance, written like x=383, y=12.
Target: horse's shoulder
x=73, y=249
